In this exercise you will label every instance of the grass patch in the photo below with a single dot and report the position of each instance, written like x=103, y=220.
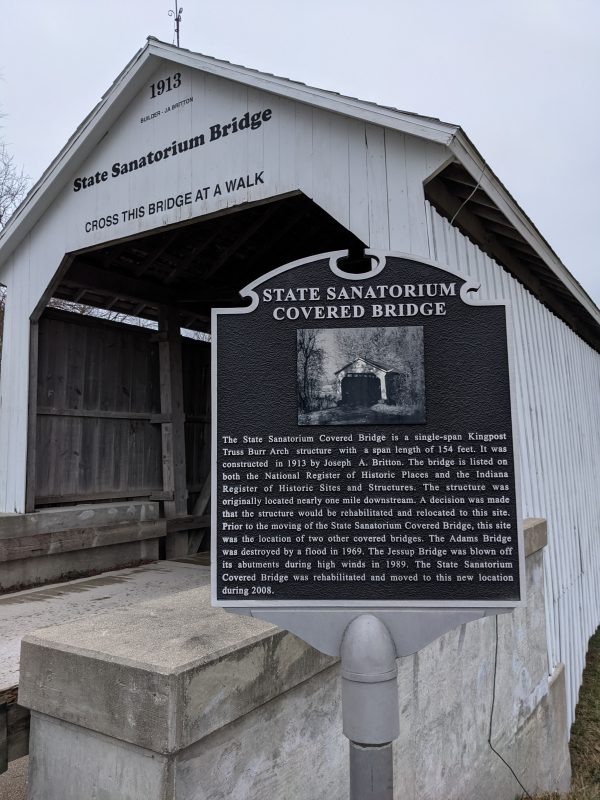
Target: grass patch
x=585, y=733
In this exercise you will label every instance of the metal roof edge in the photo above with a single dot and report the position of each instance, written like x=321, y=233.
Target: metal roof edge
x=414, y=124
x=467, y=154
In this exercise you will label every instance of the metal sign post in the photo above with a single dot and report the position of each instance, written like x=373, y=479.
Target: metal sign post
x=364, y=471
x=370, y=706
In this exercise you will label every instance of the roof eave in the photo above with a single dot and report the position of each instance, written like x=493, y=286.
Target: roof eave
x=139, y=69
x=128, y=83
x=414, y=124
x=467, y=154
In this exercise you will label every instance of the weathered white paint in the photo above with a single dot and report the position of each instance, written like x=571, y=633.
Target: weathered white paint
x=139, y=74
x=14, y=374
x=342, y=164
x=365, y=166
x=558, y=399
x=352, y=169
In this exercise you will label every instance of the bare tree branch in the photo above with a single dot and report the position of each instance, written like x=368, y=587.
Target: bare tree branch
x=13, y=185
x=310, y=368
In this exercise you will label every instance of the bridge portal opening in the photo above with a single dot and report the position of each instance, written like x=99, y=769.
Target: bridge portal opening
x=121, y=411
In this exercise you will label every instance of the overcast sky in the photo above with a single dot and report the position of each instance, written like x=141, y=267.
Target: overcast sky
x=522, y=77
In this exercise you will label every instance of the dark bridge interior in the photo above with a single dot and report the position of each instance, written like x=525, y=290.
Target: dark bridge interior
x=122, y=412
x=192, y=267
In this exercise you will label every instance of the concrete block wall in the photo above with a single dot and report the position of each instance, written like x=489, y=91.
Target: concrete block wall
x=174, y=700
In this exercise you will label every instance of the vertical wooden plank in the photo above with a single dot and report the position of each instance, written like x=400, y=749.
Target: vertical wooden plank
x=304, y=149
x=173, y=430
x=75, y=367
x=196, y=387
x=262, y=153
x=421, y=159
x=329, y=165
x=14, y=387
x=286, y=133
x=358, y=187
x=91, y=391
x=32, y=421
x=321, y=165
x=379, y=228
x=395, y=153
x=128, y=366
x=415, y=174
x=340, y=169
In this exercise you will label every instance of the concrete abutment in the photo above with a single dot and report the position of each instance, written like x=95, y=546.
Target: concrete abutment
x=174, y=700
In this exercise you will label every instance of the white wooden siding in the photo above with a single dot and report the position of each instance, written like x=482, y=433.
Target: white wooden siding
x=558, y=401
x=367, y=178
x=370, y=179
x=14, y=375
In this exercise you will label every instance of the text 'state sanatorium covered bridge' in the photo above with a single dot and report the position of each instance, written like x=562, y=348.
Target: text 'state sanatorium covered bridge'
x=191, y=178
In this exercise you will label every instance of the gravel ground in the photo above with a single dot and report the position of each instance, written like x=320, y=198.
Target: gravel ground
x=13, y=784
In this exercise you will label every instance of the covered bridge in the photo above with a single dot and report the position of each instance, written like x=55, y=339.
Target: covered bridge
x=191, y=178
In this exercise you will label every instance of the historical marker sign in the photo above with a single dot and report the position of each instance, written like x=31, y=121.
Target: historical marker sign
x=363, y=444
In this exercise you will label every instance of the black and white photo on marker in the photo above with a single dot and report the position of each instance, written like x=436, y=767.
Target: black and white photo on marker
x=352, y=376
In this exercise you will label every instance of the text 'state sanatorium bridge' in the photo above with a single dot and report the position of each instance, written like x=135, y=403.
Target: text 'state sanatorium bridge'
x=190, y=179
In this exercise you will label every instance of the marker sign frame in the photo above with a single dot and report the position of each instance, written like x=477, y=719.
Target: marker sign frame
x=364, y=443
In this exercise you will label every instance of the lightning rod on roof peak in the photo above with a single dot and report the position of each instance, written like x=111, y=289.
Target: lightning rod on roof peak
x=176, y=14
